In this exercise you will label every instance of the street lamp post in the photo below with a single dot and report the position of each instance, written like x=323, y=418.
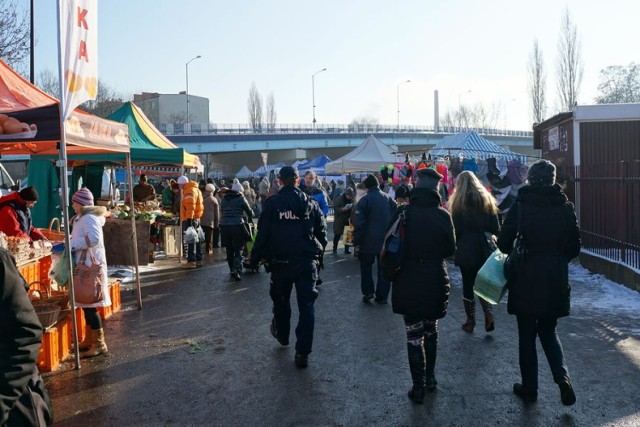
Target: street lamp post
x=398, y=100
x=313, y=95
x=187, y=93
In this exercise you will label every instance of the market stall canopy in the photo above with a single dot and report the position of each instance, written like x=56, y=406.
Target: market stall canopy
x=244, y=172
x=317, y=164
x=148, y=144
x=264, y=170
x=470, y=144
x=367, y=157
x=36, y=128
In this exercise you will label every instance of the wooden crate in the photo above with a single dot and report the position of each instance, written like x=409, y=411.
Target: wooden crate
x=49, y=358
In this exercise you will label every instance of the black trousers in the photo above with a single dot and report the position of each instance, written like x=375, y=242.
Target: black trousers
x=208, y=238
x=92, y=318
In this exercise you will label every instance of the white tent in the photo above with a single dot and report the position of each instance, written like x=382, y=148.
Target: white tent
x=367, y=157
x=244, y=172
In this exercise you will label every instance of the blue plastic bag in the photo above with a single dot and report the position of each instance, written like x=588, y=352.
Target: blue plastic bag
x=490, y=283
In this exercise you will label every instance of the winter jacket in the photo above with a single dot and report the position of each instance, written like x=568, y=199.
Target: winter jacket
x=341, y=216
x=167, y=197
x=552, y=238
x=319, y=196
x=371, y=220
x=250, y=195
x=211, y=213
x=15, y=218
x=470, y=238
x=263, y=187
x=143, y=191
x=191, y=206
x=20, y=335
x=290, y=227
x=422, y=286
x=232, y=208
x=89, y=223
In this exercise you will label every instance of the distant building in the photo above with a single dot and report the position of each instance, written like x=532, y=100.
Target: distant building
x=170, y=110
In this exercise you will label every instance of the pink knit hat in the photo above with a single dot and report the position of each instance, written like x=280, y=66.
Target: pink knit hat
x=83, y=197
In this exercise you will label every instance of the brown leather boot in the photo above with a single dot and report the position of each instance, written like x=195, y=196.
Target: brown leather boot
x=98, y=346
x=470, y=309
x=489, y=322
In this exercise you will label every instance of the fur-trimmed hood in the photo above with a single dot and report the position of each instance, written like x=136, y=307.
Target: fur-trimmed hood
x=93, y=210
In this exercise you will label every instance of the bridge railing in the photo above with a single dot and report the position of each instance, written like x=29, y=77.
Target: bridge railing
x=281, y=128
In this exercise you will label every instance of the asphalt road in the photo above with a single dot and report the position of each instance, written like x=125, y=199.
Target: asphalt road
x=200, y=353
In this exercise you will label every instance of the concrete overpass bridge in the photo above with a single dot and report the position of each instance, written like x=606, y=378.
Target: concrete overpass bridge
x=233, y=147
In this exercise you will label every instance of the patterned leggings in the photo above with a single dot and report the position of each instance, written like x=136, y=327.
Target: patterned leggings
x=418, y=329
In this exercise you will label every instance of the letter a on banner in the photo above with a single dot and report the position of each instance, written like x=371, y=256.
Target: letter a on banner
x=79, y=52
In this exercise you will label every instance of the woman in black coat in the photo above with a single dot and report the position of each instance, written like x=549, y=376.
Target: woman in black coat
x=474, y=212
x=233, y=209
x=540, y=293
x=421, y=291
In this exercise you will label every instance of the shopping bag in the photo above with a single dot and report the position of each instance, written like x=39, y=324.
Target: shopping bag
x=347, y=235
x=61, y=274
x=490, y=283
x=200, y=234
x=190, y=235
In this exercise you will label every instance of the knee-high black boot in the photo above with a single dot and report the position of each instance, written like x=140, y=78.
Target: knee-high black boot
x=417, y=367
x=336, y=240
x=431, y=352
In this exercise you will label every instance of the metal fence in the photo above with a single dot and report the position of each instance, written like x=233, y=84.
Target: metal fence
x=609, y=210
x=240, y=129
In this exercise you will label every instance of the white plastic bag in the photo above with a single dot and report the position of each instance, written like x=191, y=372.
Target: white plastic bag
x=190, y=235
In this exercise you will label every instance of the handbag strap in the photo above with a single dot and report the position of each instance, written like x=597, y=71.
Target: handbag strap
x=83, y=257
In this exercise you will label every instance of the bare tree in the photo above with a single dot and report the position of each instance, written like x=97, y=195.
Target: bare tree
x=14, y=35
x=537, y=84
x=254, y=105
x=569, y=67
x=619, y=84
x=176, y=119
x=476, y=117
x=107, y=101
x=271, y=112
x=47, y=81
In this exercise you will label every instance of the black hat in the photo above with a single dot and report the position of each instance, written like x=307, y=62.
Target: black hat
x=370, y=182
x=29, y=194
x=402, y=192
x=428, y=178
x=287, y=172
x=542, y=173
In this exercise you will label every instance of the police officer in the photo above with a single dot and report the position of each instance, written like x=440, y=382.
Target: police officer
x=291, y=240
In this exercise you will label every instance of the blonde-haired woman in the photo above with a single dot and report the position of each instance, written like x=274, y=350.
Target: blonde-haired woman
x=474, y=212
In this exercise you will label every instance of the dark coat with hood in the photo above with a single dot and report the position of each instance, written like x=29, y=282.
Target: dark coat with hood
x=232, y=208
x=371, y=220
x=471, y=250
x=422, y=287
x=291, y=227
x=20, y=339
x=341, y=217
x=552, y=238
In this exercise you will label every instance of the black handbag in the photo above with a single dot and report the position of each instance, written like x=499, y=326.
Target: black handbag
x=514, y=263
x=393, y=248
x=246, y=232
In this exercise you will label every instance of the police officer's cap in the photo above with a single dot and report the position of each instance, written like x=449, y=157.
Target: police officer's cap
x=287, y=172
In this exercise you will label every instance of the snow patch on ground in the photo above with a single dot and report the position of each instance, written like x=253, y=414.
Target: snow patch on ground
x=592, y=290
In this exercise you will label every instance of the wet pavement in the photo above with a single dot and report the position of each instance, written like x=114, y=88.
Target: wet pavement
x=200, y=354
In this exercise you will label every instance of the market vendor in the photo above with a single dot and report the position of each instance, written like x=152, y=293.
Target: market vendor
x=15, y=214
x=144, y=191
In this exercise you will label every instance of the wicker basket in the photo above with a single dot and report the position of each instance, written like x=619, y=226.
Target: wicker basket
x=61, y=298
x=48, y=313
x=51, y=234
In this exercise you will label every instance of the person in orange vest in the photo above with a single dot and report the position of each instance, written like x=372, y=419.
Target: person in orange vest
x=191, y=210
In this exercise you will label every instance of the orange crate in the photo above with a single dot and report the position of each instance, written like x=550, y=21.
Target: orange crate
x=45, y=265
x=65, y=338
x=49, y=359
x=31, y=272
x=116, y=302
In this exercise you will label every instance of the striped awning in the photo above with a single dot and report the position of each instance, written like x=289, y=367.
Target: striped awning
x=470, y=144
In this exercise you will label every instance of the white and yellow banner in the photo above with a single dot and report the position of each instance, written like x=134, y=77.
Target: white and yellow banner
x=79, y=52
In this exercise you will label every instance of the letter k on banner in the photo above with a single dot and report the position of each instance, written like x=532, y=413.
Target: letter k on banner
x=78, y=29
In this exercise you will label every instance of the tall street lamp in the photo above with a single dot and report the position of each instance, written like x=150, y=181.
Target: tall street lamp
x=398, y=99
x=313, y=95
x=187, y=72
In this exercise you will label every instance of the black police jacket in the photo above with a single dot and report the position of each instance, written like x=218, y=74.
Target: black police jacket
x=290, y=227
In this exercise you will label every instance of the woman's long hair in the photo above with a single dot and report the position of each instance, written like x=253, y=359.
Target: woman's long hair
x=470, y=197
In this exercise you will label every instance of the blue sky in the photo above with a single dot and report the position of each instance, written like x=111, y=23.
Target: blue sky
x=368, y=47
